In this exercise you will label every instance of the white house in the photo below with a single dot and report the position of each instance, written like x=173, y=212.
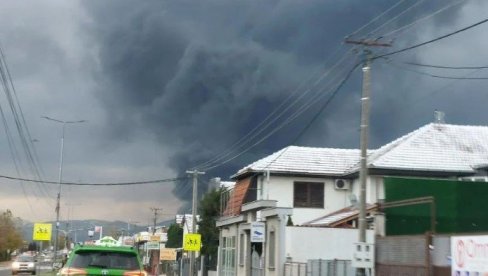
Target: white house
x=299, y=185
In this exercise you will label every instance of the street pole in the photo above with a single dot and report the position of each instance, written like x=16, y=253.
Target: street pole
x=363, y=173
x=195, y=174
x=155, y=210
x=364, y=128
x=58, y=198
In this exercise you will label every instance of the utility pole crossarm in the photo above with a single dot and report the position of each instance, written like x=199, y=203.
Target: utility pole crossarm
x=363, y=42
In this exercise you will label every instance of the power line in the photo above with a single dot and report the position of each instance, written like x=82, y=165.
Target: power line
x=283, y=124
x=326, y=103
x=423, y=18
x=396, y=17
x=309, y=101
x=432, y=40
x=446, y=67
x=96, y=184
x=277, y=113
x=376, y=18
x=324, y=106
x=435, y=76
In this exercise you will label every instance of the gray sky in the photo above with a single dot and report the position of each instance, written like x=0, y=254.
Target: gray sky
x=167, y=85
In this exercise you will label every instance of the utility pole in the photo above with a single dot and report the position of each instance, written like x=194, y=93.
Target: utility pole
x=195, y=174
x=155, y=210
x=58, y=198
x=365, y=103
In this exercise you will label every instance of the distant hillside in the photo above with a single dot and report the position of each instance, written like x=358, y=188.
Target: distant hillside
x=78, y=229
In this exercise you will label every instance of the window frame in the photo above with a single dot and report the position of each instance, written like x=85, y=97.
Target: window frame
x=309, y=201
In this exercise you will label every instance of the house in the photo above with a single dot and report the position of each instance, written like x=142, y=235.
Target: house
x=297, y=186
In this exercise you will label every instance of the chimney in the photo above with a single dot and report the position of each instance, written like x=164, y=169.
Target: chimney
x=439, y=117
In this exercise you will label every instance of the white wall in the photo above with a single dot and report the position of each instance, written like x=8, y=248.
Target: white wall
x=304, y=243
x=281, y=189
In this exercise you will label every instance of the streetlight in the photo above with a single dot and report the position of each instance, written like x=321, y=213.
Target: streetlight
x=60, y=177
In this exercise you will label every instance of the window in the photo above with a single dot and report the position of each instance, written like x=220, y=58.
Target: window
x=308, y=194
x=272, y=245
x=228, y=256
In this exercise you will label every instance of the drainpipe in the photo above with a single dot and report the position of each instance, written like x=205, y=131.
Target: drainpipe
x=267, y=184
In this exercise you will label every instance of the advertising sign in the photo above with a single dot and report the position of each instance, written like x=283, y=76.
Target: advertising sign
x=192, y=242
x=167, y=254
x=469, y=255
x=42, y=232
x=257, y=232
x=152, y=245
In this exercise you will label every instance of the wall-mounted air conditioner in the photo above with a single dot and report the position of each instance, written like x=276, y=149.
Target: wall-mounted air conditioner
x=342, y=184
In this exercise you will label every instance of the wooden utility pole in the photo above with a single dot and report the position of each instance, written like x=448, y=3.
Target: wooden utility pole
x=195, y=174
x=155, y=210
x=365, y=103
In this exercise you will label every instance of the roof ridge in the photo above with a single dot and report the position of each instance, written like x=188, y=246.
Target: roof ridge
x=380, y=152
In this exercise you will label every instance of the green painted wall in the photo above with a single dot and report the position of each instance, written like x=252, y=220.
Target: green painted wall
x=461, y=206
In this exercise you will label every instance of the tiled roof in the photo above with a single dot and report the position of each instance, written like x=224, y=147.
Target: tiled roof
x=306, y=160
x=433, y=147
x=239, y=192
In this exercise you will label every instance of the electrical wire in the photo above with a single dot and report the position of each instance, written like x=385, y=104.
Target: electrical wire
x=95, y=184
x=432, y=75
x=269, y=121
x=405, y=27
x=314, y=118
x=446, y=67
x=272, y=117
x=288, y=121
x=311, y=101
x=395, y=18
x=431, y=40
x=376, y=18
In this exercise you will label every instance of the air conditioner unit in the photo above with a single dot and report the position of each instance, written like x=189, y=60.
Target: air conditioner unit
x=342, y=184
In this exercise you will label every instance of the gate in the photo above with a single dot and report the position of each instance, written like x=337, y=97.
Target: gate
x=295, y=269
x=320, y=268
x=330, y=268
x=403, y=255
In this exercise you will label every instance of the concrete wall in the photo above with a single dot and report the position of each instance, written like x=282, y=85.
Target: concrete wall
x=304, y=243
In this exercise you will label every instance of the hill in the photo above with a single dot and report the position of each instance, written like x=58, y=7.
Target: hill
x=77, y=230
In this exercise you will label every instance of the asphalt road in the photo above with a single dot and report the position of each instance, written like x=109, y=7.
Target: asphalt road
x=5, y=270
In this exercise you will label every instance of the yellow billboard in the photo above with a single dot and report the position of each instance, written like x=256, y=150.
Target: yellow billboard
x=42, y=232
x=192, y=242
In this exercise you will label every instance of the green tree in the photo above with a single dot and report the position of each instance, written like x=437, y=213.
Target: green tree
x=209, y=211
x=175, y=236
x=10, y=235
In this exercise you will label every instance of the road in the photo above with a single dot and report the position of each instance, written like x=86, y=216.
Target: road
x=5, y=269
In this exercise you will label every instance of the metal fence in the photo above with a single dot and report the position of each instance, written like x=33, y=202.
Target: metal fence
x=319, y=268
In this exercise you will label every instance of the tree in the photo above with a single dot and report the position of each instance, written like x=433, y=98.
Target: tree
x=175, y=236
x=209, y=211
x=10, y=235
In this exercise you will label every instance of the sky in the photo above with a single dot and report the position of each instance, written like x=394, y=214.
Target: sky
x=170, y=86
